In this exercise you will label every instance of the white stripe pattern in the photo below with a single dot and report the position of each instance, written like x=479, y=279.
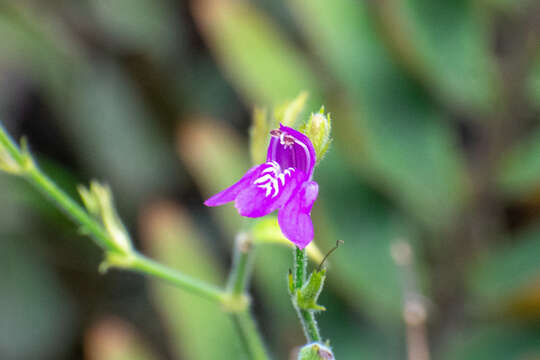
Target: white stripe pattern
x=271, y=177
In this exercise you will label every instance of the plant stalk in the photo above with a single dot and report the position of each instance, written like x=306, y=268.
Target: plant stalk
x=237, y=284
x=307, y=317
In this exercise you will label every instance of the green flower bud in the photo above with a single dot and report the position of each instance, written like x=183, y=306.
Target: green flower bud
x=318, y=129
x=315, y=351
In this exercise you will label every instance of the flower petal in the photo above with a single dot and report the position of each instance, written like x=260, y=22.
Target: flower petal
x=259, y=200
x=295, y=217
x=300, y=155
x=230, y=193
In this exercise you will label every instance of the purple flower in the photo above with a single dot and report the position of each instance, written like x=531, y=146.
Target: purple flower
x=282, y=183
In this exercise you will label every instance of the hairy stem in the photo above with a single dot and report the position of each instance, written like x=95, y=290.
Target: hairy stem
x=300, y=264
x=307, y=317
x=309, y=324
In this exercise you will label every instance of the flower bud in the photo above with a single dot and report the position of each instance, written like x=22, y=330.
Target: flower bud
x=98, y=201
x=318, y=130
x=315, y=351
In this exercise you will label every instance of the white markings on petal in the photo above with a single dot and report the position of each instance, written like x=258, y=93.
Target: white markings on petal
x=271, y=177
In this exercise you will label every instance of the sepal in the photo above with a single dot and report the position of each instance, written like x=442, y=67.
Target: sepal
x=307, y=296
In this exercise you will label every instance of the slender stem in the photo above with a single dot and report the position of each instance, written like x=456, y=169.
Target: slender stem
x=8, y=144
x=238, y=279
x=132, y=261
x=249, y=335
x=234, y=298
x=307, y=317
x=144, y=265
x=311, y=329
x=300, y=264
x=243, y=255
x=71, y=208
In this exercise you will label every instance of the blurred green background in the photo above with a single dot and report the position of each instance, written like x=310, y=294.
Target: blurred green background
x=436, y=109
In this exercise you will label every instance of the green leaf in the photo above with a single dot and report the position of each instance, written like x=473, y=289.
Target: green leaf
x=446, y=44
x=507, y=271
x=217, y=158
x=494, y=343
x=287, y=113
x=117, y=136
x=519, y=171
x=259, y=136
x=145, y=25
x=261, y=62
x=362, y=268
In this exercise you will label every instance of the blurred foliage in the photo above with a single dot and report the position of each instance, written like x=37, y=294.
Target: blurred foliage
x=435, y=108
x=113, y=339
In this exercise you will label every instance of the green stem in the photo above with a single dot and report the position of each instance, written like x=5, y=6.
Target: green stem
x=8, y=144
x=300, y=264
x=144, y=265
x=238, y=279
x=118, y=257
x=46, y=186
x=307, y=317
x=249, y=335
x=243, y=254
x=234, y=299
x=309, y=324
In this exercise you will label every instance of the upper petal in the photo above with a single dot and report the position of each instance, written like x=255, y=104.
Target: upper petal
x=295, y=217
x=230, y=193
x=298, y=153
x=268, y=192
